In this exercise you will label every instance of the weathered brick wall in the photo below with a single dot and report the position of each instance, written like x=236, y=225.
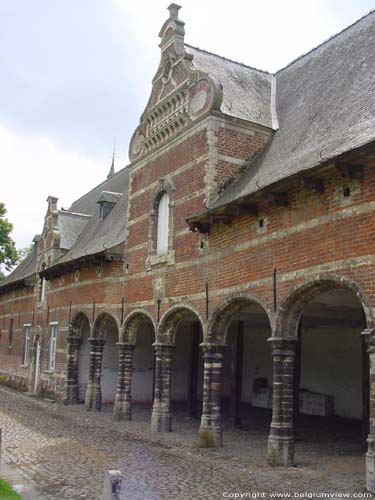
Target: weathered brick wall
x=91, y=291
x=315, y=234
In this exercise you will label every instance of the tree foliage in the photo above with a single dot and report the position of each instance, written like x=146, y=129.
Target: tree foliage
x=8, y=252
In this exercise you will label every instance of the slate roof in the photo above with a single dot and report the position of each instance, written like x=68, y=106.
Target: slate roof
x=26, y=269
x=247, y=92
x=100, y=235
x=70, y=226
x=81, y=231
x=325, y=107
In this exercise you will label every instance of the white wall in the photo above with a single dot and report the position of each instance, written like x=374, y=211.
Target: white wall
x=331, y=362
x=143, y=365
x=109, y=365
x=257, y=360
x=83, y=361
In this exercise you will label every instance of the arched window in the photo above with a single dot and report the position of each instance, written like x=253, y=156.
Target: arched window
x=42, y=287
x=163, y=225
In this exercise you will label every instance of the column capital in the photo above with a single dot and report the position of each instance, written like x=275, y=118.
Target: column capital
x=163, y=348
x=96, y=342
x=212, y=350
x=74, y=338
x=283, y=346
x=122, y=346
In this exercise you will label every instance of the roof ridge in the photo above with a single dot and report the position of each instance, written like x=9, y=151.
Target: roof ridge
x=372, y=11
x=227, y=59
x=96, y=187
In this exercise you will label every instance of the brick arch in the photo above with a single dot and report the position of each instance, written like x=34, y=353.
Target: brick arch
x=133, y=321
x=166, y=333
x=101, y=323
x=75, y=326
x=302, y=294
x=224, y=313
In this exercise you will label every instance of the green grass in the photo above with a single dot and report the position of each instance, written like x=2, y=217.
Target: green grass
x=7, y=493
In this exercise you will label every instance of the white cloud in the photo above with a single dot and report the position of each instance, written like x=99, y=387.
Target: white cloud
x=34, y=167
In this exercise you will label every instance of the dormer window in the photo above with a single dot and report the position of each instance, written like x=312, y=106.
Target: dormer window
x=163, y=225
x=107, y=200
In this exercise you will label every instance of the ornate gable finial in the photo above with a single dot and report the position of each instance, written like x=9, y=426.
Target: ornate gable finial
x=180, y=93
x=172, y=31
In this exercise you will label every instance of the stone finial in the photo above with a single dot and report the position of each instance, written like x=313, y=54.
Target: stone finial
x=173, y=28
x=173, y=10
x=52, y=202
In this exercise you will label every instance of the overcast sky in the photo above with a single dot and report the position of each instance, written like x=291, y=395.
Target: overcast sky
x=75, y=75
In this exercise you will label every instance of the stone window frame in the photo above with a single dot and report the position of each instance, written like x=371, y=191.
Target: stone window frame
x=51, y=360
x=26, y=344
x=163, y=186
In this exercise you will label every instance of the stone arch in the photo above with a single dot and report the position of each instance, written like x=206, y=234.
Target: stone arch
x=301, y=294
x=101, y=322
x=164, y=185
x=133, y=321
x=223, y=314
x=168, y=324
x=75, y=327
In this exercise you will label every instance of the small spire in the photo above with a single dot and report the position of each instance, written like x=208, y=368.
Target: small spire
x=111, y=172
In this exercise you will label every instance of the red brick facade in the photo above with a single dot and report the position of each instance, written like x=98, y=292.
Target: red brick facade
x=280, y=258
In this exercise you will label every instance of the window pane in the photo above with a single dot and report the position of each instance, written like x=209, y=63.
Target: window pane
x=163, y=225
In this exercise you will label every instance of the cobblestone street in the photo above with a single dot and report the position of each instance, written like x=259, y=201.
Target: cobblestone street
x=64, y=451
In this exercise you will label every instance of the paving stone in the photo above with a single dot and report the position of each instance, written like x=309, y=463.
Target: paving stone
x=64, y=452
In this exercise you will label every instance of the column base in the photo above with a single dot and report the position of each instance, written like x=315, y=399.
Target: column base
x=122, y=410
x=370, y=466
x=280, y=451
x=161, y=422
x=70, y=395
x=93, y=402
x=210, y=436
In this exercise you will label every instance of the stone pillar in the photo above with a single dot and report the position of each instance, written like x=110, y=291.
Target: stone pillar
x=122, y=409
x=71, y=380
x=161, y=413
x=93, y=400
x=369, y=334
x=281, y=438
x=210, y=431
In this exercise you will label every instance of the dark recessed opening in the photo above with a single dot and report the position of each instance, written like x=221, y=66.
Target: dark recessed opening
x=261, y=222
x=346, y=192
x=202, y=244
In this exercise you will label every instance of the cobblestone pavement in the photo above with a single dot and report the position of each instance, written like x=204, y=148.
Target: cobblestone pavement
x=64, y=452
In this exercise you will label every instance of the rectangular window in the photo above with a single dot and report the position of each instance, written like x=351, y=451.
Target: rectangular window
x=52, y=346
x=26, y=344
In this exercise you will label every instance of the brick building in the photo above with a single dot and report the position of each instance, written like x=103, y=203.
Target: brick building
x=230, y=265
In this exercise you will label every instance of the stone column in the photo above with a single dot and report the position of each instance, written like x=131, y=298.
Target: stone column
x=210, y=431
x=71, y=380
x=122, y=409
x=369, y=334
x=161, y=413
x=93, y=400
x=281, y=438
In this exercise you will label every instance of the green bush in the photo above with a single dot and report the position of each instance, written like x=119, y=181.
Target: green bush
x=7, y=493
